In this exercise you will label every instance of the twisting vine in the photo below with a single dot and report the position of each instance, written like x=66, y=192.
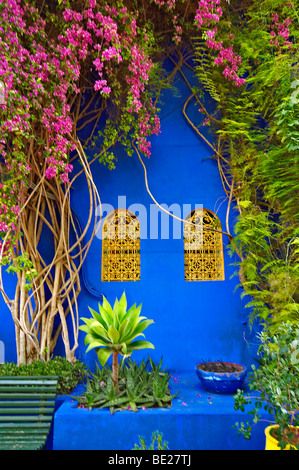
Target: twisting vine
x=62, y=68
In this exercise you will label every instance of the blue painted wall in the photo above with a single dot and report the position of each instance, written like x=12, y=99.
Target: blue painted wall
x=7, y=329
x=193, y=320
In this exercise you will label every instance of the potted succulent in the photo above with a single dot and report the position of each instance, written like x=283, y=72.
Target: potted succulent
x=275, y=383
x=221, y=377
x=113, y=330
x=130, y=386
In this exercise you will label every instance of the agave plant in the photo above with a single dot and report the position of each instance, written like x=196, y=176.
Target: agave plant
x=113, y=331
x=143, y=385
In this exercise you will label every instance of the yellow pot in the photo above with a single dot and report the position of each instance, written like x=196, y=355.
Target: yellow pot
x=271, y=442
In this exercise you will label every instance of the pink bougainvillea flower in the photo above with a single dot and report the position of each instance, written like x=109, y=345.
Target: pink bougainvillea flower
x=50, y=172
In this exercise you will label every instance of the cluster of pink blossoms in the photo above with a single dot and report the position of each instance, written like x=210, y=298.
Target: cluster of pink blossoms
x=229, y=59
x=150, y=124
x=37, y=77
x=280, y=32
x=170, y=3
x=104, y=36
x=15, y=117
x=49, y=81
x=92, y=32
x=207, y=13
x=140, y=68
x=110, y=36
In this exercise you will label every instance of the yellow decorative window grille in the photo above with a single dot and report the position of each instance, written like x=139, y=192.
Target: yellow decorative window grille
x=121, y=247
x=203, y=249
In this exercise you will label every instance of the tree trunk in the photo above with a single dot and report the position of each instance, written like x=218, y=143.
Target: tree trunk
x=115, y=371
x=51, y=292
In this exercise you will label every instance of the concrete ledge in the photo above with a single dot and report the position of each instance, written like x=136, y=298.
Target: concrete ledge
x=197, y=420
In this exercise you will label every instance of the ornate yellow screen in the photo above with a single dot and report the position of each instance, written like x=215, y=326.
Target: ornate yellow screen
x=203, y=249
x=121, y=247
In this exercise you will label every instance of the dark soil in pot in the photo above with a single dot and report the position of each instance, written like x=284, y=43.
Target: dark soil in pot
x=220, y=367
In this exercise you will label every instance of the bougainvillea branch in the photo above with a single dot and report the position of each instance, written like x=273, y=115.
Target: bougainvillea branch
x=50, y=60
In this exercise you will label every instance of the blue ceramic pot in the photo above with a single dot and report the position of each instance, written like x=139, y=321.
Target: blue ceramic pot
x=221, y=382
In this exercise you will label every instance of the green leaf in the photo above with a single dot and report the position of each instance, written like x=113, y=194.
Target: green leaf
x=115, y=308
x=295, y=357
x=140, y=345
x=113, y=334
x=95, y=344
x=138, y=330
x=133, y=315
x=122, y=306
x=107, y=307
x=88, y=321
x=98, y=329
x=88, y=339
x=105, y=315
x=98, y=317
x=84, y=328
x=124, y=327
x=245, y=204
x=103, y=355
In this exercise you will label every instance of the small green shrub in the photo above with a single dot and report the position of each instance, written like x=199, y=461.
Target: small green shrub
x=70, y=374
x=139, y=386
x=274, y=385
x=156, y=444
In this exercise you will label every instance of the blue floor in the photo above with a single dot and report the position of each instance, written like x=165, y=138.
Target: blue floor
x=197, y=420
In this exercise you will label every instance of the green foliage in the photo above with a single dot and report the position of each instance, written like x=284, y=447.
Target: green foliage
x=69, y=374
x=257, y=132
x=275, y=381
x=204, y=72
x=140, y=386
x=114, y=329
x=22, y=263
x=157, y=442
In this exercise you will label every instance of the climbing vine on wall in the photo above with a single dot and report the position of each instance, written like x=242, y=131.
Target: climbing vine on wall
x=66, y=64
x=258, y=150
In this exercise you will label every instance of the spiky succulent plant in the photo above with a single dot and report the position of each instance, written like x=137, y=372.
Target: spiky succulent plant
x=113, y=330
